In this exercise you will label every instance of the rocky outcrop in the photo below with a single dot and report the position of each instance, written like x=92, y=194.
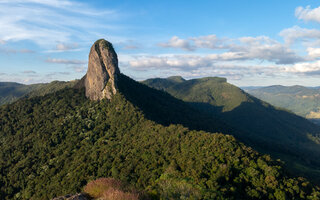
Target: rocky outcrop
x=79, y=196
x=101, y=79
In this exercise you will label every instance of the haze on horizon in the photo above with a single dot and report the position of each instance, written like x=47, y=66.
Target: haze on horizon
x=250, y=44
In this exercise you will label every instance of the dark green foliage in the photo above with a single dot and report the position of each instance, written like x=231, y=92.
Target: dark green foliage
x=10, y=91
x=164, y=109
x=316, y=121
x=163, y=84
x=262, y=126
x=51, y=87
x=53, y=145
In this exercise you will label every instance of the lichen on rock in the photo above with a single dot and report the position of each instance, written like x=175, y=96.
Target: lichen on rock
x=101, y=79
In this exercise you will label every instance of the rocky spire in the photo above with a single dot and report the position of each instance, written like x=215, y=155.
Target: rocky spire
x=101, y=79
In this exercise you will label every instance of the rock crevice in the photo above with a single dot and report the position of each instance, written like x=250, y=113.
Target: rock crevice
x=101, y=78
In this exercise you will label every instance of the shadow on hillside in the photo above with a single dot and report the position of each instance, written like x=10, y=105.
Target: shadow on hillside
x=315, y=121
x=270, y=128
x=164, y=109
x=276, y=132
x=263, y=127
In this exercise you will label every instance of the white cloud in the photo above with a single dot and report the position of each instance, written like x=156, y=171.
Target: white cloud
x=308, y=14
x=48, y=22
x=193, y=43
x=244, y=48
x=206, y=65
x=265, y=49
x=79, y=69
x=295, y=33
x=306, y=68
x=66, y=47
x=14, y=51
x=57, y=73
x=176, y=42
x=209, y=41
x=186, y=62
x=313, y=52
x=168, y=62
x=193, y=66
x=65, y=61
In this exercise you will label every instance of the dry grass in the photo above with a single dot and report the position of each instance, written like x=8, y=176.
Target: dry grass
x=97, y=187
x=110, y=189
x=115, y=194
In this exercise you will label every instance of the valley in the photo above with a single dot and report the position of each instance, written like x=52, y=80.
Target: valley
x=177, y=139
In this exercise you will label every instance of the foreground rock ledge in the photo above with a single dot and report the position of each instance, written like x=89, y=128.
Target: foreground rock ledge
x=101, y=79
x=79, y=196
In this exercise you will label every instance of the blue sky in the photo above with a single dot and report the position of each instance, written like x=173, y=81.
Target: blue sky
x=248, y=42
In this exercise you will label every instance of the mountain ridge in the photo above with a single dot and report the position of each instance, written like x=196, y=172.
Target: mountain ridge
x=55, y=144
x=266, y=128
x=12, y=91
x=70, y=149
x=304, y=101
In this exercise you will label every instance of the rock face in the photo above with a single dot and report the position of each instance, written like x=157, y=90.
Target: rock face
x=72, y=197
x=101, y=79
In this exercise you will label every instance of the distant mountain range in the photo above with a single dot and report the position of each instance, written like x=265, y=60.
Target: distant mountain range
x=230, y=107
x=54, y=144
x=169, y=138
x=304, y=101
x=11, y=91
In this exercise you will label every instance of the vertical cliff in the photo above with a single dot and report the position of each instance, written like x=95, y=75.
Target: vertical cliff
x=101, y=79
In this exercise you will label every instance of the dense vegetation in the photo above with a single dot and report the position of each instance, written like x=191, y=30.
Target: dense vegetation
x=301, y=100
x=11, y=92
x=53, y=145
x=266, y=128
x=48, y=88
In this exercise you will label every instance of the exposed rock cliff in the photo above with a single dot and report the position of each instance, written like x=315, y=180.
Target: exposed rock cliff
x=101, y=79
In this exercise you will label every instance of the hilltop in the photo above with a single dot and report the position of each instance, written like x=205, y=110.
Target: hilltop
x=55, y=144
x=268, y=129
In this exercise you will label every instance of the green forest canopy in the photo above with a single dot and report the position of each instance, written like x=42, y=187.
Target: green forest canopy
x=53, y=145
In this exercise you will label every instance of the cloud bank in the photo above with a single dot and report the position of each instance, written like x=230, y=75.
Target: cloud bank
x=245, y=48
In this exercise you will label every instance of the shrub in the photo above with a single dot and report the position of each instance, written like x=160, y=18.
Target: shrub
x=98, y=187
x=110, y=189
x=115, y=194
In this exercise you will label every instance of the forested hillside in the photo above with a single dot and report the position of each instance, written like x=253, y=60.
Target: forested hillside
x=268, y=129
x=54, y=144
x=11, y=92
